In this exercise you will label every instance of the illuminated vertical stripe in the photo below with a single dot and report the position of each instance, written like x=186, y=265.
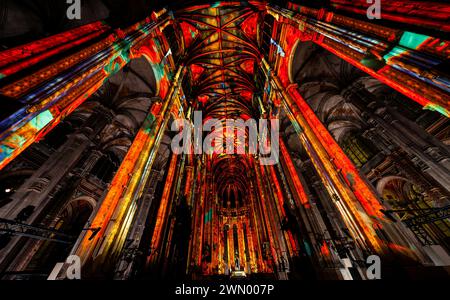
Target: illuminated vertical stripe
x=293, y=174
x=315, y=137
x=23, y=137
x=127, y=184
x=161, y=217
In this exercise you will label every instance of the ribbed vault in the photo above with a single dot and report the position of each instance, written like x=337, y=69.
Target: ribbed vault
x=221, y=56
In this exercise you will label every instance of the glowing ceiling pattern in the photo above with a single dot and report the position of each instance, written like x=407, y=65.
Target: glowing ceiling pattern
x=222, y=55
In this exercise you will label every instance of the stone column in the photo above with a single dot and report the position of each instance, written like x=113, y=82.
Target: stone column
x=130, y=253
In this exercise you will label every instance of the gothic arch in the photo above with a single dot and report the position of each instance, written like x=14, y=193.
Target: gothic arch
x=129, y=94
x=75, y=214
x=310, y=62
x=87, y=199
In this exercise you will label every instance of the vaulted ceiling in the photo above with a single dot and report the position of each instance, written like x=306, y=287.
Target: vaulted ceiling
x=221, y=54
x=221, y=48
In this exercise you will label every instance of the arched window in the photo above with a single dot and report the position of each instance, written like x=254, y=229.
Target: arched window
x=240, y=199
x=358, y=149
x=408, y=200
x=71, y=221
x=75, y=215
x=232, y=199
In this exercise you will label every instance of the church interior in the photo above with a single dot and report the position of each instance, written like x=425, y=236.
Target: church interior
x=87, y=167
